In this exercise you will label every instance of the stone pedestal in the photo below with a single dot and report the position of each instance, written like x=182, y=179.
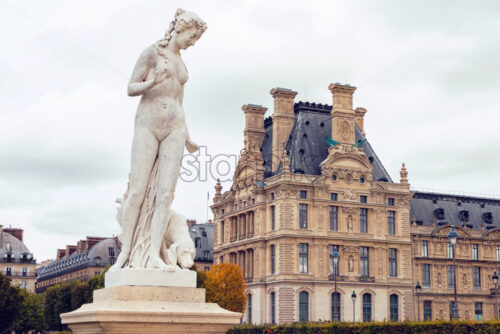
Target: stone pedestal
x=150, y=277
x=150, y=309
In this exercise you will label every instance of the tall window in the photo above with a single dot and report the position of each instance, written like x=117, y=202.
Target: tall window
x=425, y=249
x=197, y=242
x=498, y=253
x=449, y=252
x=249, y=309
x=363, y=220
x=475, y=251
x=336, y=306
x=393, y=262
x=273, y=308
x=8, y=271
x=111, y=251
x=367, y=307
x=222, y=232
x=334, y=226
x=303, y=257
x=273, y=259
x=476, y=273
x=452, y=303
x=273, y=217
x=365, y=262
x=478, y=310
x=391, y=222
x=303, y=306
x=332, y=267
x=451, y=276
x=426, y=275
x=25, y=271
x=303, y=216
x=394, y=307
x=427, y=310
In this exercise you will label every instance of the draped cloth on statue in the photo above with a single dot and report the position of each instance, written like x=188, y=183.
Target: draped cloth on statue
x=140, y=255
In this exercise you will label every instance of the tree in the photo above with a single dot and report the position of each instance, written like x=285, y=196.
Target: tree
x=10, y=303
x=31, y=315
x=225, y=286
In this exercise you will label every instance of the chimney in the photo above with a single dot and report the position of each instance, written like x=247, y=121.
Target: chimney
x=191, y=222
x=283, y=120
x=16, y=232
x=60, y=254
x=69, y=250
x=360, y=118
x=254, y=125
x=342, y=113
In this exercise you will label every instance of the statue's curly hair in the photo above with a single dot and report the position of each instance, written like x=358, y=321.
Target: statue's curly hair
x=183, y=20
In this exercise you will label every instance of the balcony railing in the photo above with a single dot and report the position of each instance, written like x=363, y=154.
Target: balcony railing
x=366, y=279
x=340, y=278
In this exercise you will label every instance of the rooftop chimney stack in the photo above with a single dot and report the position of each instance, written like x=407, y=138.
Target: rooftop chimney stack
x=342, y=114
x=283, y=120
x=360, y=118
x=254, y=125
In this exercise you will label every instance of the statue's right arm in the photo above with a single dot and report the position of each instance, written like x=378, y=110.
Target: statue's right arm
x=137, y=84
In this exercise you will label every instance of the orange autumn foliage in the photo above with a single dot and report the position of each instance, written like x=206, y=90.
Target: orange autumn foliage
x=225, y=286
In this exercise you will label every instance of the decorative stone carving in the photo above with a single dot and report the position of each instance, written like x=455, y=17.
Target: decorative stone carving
x=350, y=264
x=349, y=195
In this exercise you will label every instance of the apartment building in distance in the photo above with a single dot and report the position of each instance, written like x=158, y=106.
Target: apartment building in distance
x=16, y=261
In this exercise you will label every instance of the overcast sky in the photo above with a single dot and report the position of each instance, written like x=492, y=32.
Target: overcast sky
x=427, y=72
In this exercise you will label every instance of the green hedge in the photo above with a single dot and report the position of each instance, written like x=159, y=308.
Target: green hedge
x=428, y=327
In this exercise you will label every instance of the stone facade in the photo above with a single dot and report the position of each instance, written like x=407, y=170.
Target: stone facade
x=308, y=181
x=281, y=224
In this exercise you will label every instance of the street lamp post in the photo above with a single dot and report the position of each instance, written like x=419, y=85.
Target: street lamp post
x=452, y=238
x=494, y=278
x=353, y=297
x=336, y=258
x=418, y=290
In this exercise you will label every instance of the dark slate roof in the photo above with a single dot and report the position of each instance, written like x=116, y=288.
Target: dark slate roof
x=97, y=256
x=18, y=250
x=306, y=145
x=443, y=209
x=205, y=232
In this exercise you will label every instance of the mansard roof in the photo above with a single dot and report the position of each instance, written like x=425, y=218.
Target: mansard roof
x=205, y=232
x=306, y=145
x=435, y=209
x=13, y=250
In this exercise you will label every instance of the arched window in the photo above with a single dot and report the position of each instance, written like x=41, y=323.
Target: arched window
x=303, y=306
x=336, y=306
x=249, y=308
x=394, y=307
x=367, y=307
x=273, y=308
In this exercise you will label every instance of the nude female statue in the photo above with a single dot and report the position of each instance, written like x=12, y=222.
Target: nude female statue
x=160, y=131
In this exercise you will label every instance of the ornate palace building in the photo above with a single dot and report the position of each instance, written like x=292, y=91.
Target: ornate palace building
x=308, y=189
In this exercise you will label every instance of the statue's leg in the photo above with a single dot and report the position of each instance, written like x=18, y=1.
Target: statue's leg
x=170, y=154
x=144, y=151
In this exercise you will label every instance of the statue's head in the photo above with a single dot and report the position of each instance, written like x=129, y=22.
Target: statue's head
x=186, y=28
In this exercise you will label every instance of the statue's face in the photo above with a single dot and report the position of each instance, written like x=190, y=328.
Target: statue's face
x=188, y=37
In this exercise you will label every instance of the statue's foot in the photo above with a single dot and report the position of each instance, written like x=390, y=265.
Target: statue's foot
x=191, y=146
x=120, y=262
x=155, y=262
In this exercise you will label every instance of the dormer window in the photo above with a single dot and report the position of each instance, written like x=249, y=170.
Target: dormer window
x=463, y=215
x=8, y=246
x=111, y=251
x=197, y=242
x=97, y=261
x=439, y=213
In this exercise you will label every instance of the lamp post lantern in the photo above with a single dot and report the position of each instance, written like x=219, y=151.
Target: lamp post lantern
x=353, y=297
x=452, y=238
x=336, y=299
x=418, y=290
x=494, y=278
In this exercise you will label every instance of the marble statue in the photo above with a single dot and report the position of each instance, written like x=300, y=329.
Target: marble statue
x=153, y=235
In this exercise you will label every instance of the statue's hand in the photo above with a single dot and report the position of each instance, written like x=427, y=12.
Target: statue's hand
x=160, y=75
